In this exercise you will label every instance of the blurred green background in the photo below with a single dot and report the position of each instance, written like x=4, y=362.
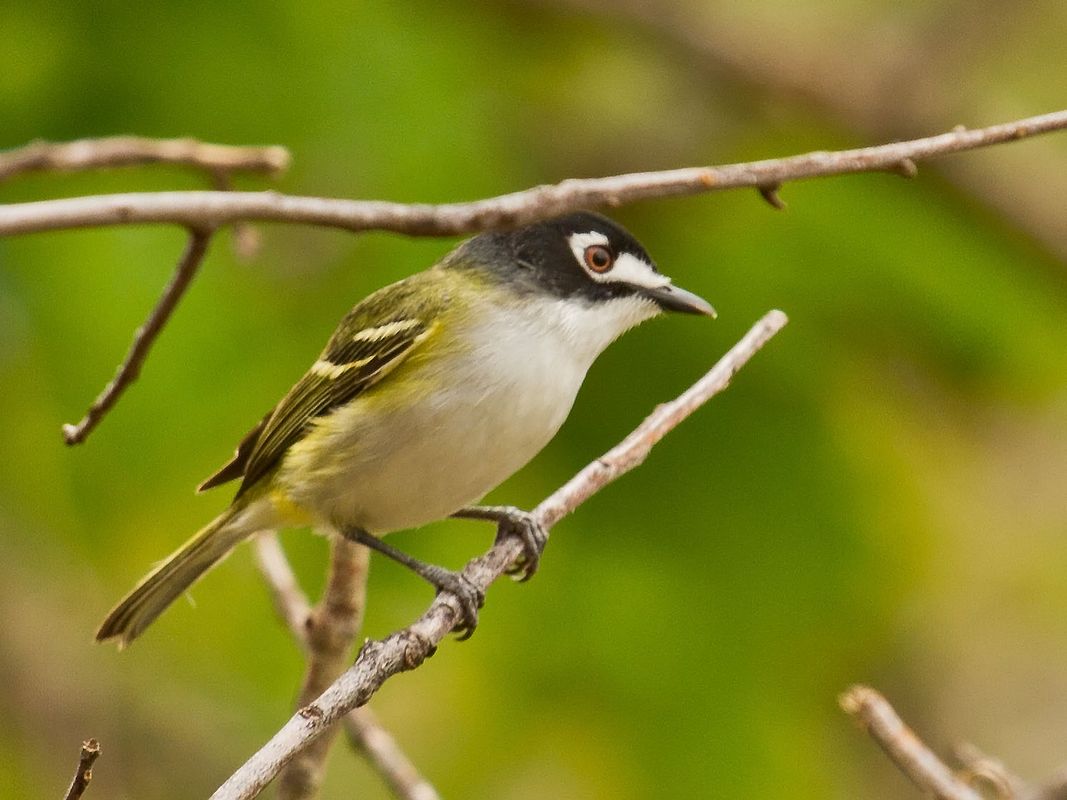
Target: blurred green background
x=879, y=497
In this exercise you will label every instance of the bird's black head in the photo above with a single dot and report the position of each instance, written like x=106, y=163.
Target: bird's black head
x=581, y=256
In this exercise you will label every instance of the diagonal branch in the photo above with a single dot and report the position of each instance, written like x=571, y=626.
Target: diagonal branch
x=290, y=602
x=125, y=151
x=331, y=628
x=365, y=733
x=203, y=212
x=928, y=772
x=145, y=337
x=900, y=743
x=408, y=648
x=89, y=753
x=213, y=209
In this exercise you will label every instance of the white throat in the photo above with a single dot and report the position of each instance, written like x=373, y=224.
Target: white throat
x=583, y=330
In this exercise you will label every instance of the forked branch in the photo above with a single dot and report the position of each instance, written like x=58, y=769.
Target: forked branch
x=928, y=772
x=904, y=748
x=207, y=211
x=365, y=733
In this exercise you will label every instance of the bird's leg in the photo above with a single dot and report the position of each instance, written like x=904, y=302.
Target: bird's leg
x=469, y=596
x=512, y=521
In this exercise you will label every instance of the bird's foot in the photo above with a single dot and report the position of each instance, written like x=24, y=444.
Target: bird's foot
x=469, y=597
x=512, y=521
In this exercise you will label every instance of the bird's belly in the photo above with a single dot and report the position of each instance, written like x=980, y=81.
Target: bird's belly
x=423, y=461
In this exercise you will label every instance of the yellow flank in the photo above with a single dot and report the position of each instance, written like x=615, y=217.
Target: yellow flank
x=289, y=513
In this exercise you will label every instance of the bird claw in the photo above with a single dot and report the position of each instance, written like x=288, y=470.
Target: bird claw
x=527, y=529
x=469, y=597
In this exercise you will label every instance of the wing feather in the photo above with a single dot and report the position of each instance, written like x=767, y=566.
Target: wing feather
x=235, y=467
x=351, y=364
x=355, y=359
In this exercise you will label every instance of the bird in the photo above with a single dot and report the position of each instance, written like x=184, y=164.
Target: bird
x=430, y=393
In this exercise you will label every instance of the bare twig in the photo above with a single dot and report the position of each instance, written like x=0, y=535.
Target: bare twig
x=203, y=212
x=212, y=209
x=408, y=648
x=900, y=743
x=367, y=735
x=980, y=769
x=930, y=773
x=90, y=752
x=331, y=628
x=124, y=151
x=145, y=336
x=900, y=91
x=365, y=732
x=289, y=600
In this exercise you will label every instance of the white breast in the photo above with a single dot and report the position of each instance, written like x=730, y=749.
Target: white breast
x=474, y=418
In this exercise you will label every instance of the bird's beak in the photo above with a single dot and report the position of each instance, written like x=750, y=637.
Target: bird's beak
x=675, y=298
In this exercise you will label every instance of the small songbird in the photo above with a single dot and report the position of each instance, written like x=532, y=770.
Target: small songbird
x=430, y=393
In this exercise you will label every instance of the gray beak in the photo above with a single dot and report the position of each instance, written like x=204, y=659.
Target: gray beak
x=675, y=298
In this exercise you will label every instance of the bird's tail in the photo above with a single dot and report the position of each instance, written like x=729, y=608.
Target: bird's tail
x=163, y=585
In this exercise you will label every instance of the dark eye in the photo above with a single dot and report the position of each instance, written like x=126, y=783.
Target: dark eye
x=598, y=258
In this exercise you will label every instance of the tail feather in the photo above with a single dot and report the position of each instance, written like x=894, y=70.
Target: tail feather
x=163, y=585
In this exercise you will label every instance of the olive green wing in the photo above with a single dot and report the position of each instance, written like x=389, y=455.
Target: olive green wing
x=235, y=467
x=355, y=359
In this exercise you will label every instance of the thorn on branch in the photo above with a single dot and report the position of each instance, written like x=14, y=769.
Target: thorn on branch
x=246, y=238
x=905, y=168
x=89, y=753
x=769, y=192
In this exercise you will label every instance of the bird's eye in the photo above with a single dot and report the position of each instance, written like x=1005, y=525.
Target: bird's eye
x=598, y=258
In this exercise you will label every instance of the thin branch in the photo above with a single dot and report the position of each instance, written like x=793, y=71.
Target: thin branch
x=203, y=212
x=331, y=629
x=212, y=209
x=408, y=648
x=900, y=91
x=124, y=151
x=900, y=743
x=289, y=600
x=145, y=336
x=368, y=736
x=365, y=733
x=980, y=769
x=90, y=752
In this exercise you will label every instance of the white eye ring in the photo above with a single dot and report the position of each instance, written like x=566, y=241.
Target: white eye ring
x=624, y=267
